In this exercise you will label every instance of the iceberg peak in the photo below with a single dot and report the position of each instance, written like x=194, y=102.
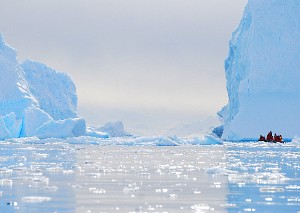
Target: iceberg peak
x=33, y=95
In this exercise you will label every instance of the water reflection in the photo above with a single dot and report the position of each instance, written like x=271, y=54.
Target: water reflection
x=150, y=179
x=60, y=177
x=33, y=178
x=264, y=177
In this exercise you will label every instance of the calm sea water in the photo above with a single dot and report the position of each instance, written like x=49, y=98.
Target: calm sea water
x=58, y=177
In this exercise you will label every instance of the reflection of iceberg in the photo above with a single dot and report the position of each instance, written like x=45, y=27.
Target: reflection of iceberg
x=35, y=100
x=262, y=72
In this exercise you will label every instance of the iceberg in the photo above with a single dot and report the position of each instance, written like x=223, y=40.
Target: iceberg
x=263, y=72
x=36, y=100
x=114, y=129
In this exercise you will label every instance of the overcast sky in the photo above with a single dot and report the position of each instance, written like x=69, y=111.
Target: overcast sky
x=149, y=63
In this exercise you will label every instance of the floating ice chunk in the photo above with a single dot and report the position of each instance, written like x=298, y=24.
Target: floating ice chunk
x=6, y=182
x=271, y=189
x=206, y=140
x=156, y=141
x=293, y=187
x=35, y=199
x=249, y=210
x=97, y=191
x=198, y=208
x=214, y=170
x=130, y=189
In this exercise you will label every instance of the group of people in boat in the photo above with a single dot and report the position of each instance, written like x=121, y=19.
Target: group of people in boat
x=270, y=138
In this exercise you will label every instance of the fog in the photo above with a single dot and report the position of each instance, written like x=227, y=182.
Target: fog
x=149, y=63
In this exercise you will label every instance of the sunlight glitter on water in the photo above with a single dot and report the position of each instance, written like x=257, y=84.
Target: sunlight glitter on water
x=60, y=177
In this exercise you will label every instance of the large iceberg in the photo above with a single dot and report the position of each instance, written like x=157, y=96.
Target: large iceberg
x=263, y=72
x=35, y=100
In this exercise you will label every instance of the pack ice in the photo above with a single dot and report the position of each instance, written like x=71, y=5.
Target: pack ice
x=35, y=100
x=263, y=72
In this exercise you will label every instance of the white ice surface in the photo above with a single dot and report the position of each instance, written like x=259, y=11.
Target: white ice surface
x=54, y=91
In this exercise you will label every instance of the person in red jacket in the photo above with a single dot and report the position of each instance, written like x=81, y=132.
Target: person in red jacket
x=276, y=138
x=280, y=139
x=270, y=136
x=261, y=138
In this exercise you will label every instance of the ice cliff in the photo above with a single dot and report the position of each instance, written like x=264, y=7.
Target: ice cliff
x=263, y=72
x=35, y=100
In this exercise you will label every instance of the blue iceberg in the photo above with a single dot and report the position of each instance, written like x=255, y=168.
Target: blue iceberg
x=263, y=72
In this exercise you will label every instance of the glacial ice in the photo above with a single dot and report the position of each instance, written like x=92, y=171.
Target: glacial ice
x=54, y=91
x=263, y=72
x=10, y=126
x=36, y=100
x=32, y=119
x=71, y=127
x=15, y=95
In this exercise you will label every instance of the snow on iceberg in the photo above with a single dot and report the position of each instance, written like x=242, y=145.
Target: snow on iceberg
x=35, y=100
x=263, y=72
x=54, y=91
